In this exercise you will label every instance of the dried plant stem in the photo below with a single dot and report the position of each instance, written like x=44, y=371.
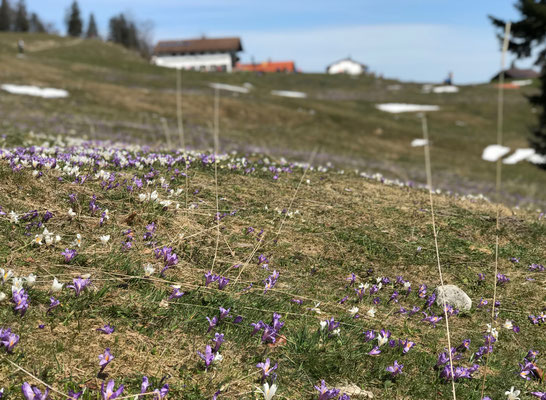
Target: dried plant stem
x=498, y=179
x=216, y=133
x=434, y=231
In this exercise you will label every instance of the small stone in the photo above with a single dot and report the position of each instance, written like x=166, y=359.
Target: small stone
x=354, y=391
x=454, y=296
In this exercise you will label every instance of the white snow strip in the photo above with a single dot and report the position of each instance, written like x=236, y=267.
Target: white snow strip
x=445, y=89
x=229, y=88
x=48, y=93
x=525, y=82
x=419, y=142
x=519, y=155
x=289, y=93
x=494, y=151
x=396, y=108
x=537, y=159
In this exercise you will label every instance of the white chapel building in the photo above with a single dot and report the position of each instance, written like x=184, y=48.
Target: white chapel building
x=202, y=54
x=347, y=66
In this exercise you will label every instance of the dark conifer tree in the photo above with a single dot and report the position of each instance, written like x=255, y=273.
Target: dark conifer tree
x=92, y=31
x=74, y=24
x=5, y=16
x=21, y=18
x=527, y=34
x=36, y=25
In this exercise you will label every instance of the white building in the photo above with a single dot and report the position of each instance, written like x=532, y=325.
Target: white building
x=198, y=54
x=346, y=66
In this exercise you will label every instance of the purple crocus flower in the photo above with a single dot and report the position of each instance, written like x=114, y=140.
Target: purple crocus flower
x=395, y=369
x=176, y=293
x=108, y=393
x=266, y=367
x=20, y=300
x=106, y=329
x=105, y=359
x=394, y=297
x=33, y=393
x=210, y=277
x=8, y=339
x=222, y=282
x=74, y=395
x=224, y=313
x=69, y=255
x=343, y=300
x=406, y=345
x=144, y=386
x=325, y=393
x=422, y=291
x=53, y=303
x=161, y=393
x=238, y=319
x=375, y=351
x=79, y=284
x=208, y=357
x=369, y=336
x=540, y=395
x=218, y=340
x=433, y=319
x=212, y=322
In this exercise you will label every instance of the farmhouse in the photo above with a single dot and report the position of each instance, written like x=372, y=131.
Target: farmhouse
x=346, y=66
x=516, y=73
x=202, y=54
x=268, y=66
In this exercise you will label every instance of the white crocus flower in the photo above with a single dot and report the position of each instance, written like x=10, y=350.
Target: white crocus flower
x=371, y=312
x=492, y=331
x=218, y=357
x=353, y=311
x=148, y=269
x=6, y=274
x=512, y=394
x=104, y=239
x=323, y=325
x=267, y=391
x=31, y=280
x=336, y=332
x=381, y=340
x=71, y=213
x=142, y=197
x=56, y=286
x=407, y=285
x=17, y=285
x=154, y=195
x=13, y=217
x=2, y=296
x=57, y=238
x=508, y=324
x=77, y=241
x=38, y=239
x=316, y=308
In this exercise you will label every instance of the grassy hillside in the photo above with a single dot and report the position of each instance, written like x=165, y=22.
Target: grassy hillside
x=337, y=225
x=114, y=93
x=122, y=260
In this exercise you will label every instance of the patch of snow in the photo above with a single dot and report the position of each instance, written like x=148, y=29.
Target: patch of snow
x=537, y=159
x=289, y=93
x=445, y=89
x=229, y=88
x=524, y=82
x=419, y=142
x=396, y=108
x=48, y=93
x=519, y=155
x=494, y=151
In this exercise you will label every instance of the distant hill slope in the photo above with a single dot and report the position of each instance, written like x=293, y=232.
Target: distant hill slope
x=115, y=93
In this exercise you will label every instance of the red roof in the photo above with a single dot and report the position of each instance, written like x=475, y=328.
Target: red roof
x=202, y=45
x=268, y=66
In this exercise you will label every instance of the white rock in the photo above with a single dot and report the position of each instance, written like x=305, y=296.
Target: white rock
x=454, y=296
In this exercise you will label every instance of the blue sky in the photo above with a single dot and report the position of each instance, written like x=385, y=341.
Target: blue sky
x=417, y=40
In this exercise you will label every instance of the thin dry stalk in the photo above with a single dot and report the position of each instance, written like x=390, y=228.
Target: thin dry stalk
x=216, y=133
x=500, y=116
x=429, y=184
